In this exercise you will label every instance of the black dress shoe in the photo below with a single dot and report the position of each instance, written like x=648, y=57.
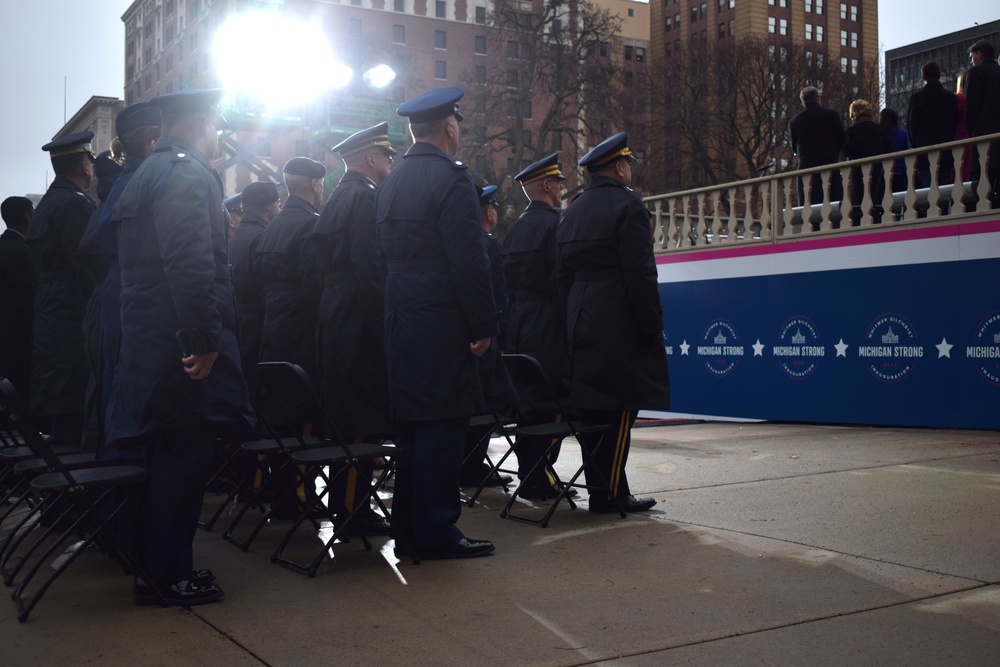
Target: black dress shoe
x=183, y=593
x=628, y=503
x=202, y=577
x=535, y=492
x=464, y=548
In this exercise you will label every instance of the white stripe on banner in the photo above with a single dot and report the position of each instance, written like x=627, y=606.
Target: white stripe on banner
x=896, y=247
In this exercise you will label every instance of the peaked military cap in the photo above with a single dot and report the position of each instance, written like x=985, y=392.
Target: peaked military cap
x=260, y=193
x=487, y=195
x=377, y=135
x=105, y=165
x=544, y=168
x=73, y=143
x=432, y=105
x=192, y=101
x=303, y=166
x=136, y=115
x=607, y=151
x=233, y=204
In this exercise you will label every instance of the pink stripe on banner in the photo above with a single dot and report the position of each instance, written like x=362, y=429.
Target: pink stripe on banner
x=844, y=241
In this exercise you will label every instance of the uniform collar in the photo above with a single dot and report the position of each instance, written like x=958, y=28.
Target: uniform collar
x=294, y=201
x=13, y=232
x=605, y=181
x=535, y=205
x=351, y=175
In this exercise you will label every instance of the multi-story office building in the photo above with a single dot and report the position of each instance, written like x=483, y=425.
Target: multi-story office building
x=950, y=52
x=695, y=49
x=428, y=43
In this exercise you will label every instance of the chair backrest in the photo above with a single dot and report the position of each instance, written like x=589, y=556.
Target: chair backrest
x=287, y=389
x=13, y=415
x=530, y=380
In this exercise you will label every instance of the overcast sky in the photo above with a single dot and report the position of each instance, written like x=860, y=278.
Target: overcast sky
x=83, y=41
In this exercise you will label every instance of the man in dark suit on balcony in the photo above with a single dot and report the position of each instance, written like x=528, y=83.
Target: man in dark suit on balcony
x=931, y=119
x=982, y=108
x=817, y=136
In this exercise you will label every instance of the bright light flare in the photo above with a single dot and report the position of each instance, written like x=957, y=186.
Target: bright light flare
x=277, y=61
x=379, y=76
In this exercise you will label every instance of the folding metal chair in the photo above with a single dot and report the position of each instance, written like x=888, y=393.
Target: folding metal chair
x=504, y=425
x=67, y=510
x=271, y=457
x=530, y=380
x=287, y=383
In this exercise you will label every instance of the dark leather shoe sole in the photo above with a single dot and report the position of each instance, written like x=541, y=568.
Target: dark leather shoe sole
x=631, y=504
x=465, y=549
x=182, y=594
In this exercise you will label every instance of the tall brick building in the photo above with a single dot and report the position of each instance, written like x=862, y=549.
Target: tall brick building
x=429, y=43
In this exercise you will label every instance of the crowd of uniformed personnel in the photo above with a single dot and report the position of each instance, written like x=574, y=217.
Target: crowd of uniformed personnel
x=394, y=297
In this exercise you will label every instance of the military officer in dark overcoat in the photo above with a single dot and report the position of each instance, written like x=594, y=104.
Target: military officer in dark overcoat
x=58, y=361
x=614, y=321
x=178, y=383
x=439, y=318
x=138, y=128
x=260, y=204
x=498, y=394
x=92, y=262
x=351, y=309
x=18, y=284
x=537, y=325
x=292, y=284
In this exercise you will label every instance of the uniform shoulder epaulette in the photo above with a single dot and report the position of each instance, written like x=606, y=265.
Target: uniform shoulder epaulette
x=180, y=155
x=458, y=165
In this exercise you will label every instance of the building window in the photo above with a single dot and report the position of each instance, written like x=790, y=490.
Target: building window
x=480, y=74
x=854, y=13
x=354, y=28
x=854, y=65
x=843, y=64
x=809, y=31
x=854, y=40
x=631, y=12
x=843, y=38
x=556, y=25
x=440, y=39
x=819, y=6
x=512, y=78
x=604, y=49
x=526, y=138
x=440, y=70
x=399, y=34
x=640, y=54
x=704, y=10
x=843, y=11
x=677, y=20
x=809, y=58
x=772, y=24
x=722, y=30
x=480, y=105
x=628, y=52
x=819, y=32
x=783, y=26
x=809, y=6
x=511, y=49
x=666, y=25
x=694, y=14
x=440, y=9
x=481, y=45
x=628, y=77
x=557, y=142
x=399, y=5
x=480, y=134
x=526, y=109
x=480, y=15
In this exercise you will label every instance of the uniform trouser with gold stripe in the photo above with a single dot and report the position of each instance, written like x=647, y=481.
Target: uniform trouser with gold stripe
x=612, y=454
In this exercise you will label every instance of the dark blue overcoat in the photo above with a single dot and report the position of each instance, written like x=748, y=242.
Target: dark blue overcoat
x=607, y=281
x=536, y=323
x=58, y=361
x=352, y=310
x=438, y=297
x=172, y=245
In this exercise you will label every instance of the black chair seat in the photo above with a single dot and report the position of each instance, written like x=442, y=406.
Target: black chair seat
x=71, y=461
x=269, y=446
x=90, y=477
x=333, y=454
x=21, y=453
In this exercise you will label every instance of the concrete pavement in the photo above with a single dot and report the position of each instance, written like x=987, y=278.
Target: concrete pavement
x=772, y=544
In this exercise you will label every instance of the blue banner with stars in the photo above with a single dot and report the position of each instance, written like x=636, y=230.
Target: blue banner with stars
x=900, y=327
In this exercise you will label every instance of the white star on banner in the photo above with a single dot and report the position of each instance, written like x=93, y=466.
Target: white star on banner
x=944, y=348
x=758, y=348
x=841, y=348
x=684, y=347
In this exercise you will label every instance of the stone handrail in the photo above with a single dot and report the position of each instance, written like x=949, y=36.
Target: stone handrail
x=766, y=209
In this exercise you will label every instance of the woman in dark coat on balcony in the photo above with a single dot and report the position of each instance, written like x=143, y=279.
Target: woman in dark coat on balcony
x=865, y=139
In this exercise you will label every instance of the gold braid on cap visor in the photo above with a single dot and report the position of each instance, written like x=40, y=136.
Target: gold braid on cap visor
x=551, y=171
x=625, y=152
